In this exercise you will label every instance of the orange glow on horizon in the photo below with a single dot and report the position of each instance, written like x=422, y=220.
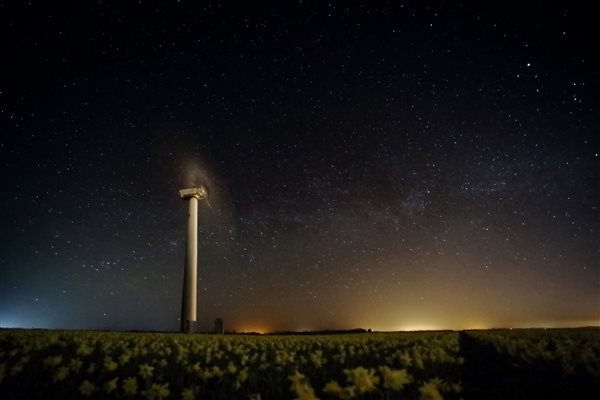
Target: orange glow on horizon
x=253, y=329
x=419, y=327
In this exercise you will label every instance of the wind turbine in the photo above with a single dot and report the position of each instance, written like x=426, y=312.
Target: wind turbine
x=190, y=276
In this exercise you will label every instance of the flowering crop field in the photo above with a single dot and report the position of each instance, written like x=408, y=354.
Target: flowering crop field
x=425, y=365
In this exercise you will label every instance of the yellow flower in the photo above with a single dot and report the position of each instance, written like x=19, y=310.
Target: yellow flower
x=429, y=391
x=364, y=380
x=405, y=359
x=216, y=372
x=205, y=374
x=53, y=361
x=188, y=394
x=124, y=358
x=297, y=378
x=109, y=364
x=317, y=358
x=301, y=386
x=157, y=391
x=87, y=388
x=333, y=388
x=17, y=368
x=110, y=385
x=456, y=388
x=195, y=368
x=395, y=379
x=75, y=365
x=84, y=349
x=146, y=371
x=61, y=374
x=130, y=386
x=231, y=368
x=242, y=375
x=418, y=360
x=344, y=393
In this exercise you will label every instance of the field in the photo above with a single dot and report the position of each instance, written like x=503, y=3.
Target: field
x=523, y=364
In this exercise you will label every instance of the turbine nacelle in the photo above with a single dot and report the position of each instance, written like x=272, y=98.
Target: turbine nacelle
x=199, y=192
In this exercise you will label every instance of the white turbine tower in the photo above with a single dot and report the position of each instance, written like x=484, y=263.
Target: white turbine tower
x=190, y=276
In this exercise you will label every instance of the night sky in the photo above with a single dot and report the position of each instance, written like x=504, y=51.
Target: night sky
x=400, y=165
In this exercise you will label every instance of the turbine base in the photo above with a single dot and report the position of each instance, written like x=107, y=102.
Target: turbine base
x=188, y=326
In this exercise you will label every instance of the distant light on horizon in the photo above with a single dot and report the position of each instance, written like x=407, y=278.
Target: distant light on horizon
x=254, y=329
x=420, y=327
x=11, y=321
x=8, y=323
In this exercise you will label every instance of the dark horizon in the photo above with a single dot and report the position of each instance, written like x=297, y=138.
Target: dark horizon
x=350, y=331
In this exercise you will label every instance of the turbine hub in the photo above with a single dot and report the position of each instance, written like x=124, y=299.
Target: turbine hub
x=199, y=192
